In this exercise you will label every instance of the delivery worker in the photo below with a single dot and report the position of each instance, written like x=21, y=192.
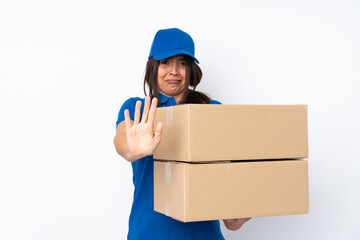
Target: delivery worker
x=170, y=72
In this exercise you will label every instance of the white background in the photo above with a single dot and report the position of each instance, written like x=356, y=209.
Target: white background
x=67, y=66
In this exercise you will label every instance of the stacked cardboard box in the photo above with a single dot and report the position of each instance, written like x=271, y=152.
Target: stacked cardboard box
x=231, y=161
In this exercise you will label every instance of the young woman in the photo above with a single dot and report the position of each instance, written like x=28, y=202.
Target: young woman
x=172, y=75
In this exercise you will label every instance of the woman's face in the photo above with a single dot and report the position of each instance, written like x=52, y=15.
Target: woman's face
x=171, y=76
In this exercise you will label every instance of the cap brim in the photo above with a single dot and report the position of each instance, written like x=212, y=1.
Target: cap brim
x=173, y=52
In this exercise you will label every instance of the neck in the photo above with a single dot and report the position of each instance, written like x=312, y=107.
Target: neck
x=178, y=99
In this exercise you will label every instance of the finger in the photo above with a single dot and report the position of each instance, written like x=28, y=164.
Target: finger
x=158, y=132
x=152, y=110
x=146, y=110
x=137, y=112
x=127, y=119
x=242, y=221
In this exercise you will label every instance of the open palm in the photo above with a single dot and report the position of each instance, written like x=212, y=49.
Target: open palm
x=141, y=138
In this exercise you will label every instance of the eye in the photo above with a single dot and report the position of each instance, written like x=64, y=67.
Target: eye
x=183, y=63
x=164, y=62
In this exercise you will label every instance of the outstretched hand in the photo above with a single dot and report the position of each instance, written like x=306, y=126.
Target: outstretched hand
x=141, y=139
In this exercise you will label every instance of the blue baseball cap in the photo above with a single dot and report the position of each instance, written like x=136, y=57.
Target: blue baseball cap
x=171, y=42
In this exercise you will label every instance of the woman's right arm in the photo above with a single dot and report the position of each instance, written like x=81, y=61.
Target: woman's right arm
x=120, y=142
x=136, y=139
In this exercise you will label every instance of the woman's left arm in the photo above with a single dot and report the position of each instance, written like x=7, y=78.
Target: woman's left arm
x=235, y=224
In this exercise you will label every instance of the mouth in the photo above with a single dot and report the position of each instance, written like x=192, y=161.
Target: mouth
x=173, y=81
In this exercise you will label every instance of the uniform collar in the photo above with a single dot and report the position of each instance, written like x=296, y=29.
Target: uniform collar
x=164, y=99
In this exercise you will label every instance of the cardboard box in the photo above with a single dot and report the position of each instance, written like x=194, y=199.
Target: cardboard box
x=203, y=132
x=198, y=192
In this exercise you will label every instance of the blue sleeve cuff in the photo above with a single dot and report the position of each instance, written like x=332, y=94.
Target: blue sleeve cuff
x=214, y=102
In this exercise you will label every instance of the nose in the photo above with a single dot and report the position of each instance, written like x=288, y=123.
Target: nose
x=174, y=70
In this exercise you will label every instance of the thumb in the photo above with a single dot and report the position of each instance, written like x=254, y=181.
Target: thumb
x=158, y=132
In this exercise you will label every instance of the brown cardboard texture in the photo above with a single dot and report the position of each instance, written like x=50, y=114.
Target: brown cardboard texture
x=204, y=132
x=199, y=192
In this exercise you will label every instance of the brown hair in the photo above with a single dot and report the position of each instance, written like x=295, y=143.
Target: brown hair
x=193, y=78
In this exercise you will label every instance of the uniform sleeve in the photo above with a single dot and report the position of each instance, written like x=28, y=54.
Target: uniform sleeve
x=130, y=105
x=214, y=102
